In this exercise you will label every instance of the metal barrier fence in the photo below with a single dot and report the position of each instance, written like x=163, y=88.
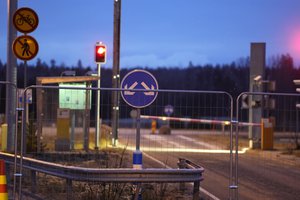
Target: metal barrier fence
x=9, y=136
x=271, y=169
x=59, y=126
x=207, y=142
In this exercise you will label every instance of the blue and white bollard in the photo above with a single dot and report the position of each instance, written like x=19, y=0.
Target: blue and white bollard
x=137, y=160
x=138, y=164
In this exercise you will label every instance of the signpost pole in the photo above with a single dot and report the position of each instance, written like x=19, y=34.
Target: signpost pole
x=25, y=74
x=137, y=154
x=25, y=85
x=138, y=129
x=11, y=76
x=138, y=79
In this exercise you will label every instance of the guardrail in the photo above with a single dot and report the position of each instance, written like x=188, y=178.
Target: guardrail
x=114, y=175
x=187, y=164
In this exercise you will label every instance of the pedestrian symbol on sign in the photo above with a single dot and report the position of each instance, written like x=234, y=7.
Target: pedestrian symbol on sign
x=25, y=48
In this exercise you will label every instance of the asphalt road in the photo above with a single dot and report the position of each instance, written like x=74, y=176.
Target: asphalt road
x=262, y=175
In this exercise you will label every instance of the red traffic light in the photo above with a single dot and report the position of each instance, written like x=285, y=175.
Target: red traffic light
x=100, y=54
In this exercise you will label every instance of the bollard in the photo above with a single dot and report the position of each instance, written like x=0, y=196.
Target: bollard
x=267, y=134
x=137, y=160
x=153, y=126
x=138, y=164
x=3, y=185
x=3, y=137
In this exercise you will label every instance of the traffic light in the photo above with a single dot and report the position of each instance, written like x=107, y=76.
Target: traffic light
x=100, y=53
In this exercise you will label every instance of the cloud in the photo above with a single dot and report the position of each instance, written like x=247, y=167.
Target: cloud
x=178, y=59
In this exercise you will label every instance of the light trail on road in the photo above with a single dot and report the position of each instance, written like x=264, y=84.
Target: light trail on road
x=181, y=150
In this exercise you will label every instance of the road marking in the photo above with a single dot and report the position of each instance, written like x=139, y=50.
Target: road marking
x=213, y=197
x=165, y=141
x=198, y=142
x=156, y=160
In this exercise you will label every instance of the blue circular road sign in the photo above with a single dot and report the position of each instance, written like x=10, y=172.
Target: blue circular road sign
x=139, y=79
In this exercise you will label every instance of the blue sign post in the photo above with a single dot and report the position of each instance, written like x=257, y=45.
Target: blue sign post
x=146, y=82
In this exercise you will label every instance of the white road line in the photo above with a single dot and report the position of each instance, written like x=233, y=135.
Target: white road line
x=213, y=197
x=156, y=160
x=198, y=142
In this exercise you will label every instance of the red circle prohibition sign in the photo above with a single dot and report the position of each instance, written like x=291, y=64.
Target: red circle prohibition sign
x=25, y=20
x=25, y=47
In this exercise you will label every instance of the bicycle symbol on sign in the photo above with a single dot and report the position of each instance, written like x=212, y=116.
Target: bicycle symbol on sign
x=26, y=19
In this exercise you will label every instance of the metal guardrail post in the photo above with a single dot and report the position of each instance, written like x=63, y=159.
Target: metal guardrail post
x=196, y=190
x=186, y=164
x=181, y=165
x=69, y=189
x=33, y=181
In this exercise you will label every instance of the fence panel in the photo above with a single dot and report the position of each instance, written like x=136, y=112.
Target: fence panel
x=59, y=126
x=270, y=169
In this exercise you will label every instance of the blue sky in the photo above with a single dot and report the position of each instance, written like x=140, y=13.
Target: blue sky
x=161, y=32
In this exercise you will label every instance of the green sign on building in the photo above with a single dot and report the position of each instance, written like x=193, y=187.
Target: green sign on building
x=74, y=99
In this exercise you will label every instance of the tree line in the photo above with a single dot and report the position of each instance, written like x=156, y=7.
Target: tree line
x=232, y=78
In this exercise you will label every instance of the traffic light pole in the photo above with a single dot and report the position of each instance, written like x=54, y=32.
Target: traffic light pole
x=116, y=71
x=98, y=123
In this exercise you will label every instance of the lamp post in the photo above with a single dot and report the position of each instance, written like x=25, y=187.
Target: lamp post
x=116, y=71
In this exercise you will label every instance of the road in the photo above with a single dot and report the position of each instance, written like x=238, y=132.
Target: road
x=262, y=175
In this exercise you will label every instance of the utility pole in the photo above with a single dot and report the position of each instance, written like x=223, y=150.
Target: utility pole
x=116, y=71
x=11, y=76
x=257, y=72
